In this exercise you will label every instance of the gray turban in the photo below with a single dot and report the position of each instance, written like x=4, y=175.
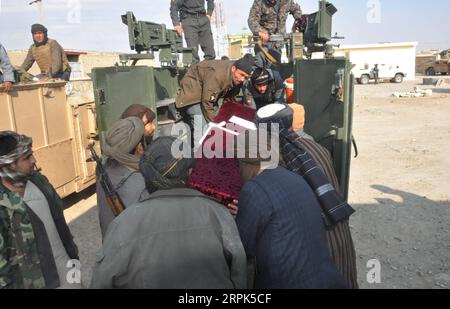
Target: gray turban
x=161, y=170
x=122, y=138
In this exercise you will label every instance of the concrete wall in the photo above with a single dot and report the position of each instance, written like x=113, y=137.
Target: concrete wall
x=95, y=59
x=18, y=56
x=402, y=55
x=88, y=61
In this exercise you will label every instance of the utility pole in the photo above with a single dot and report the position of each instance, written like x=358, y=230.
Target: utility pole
x=40, y=10
x=219, y=29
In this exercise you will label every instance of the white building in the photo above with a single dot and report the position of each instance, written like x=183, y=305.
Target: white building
x=395, y=54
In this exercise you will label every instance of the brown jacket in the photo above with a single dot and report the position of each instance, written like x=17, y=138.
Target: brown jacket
x=50, y=58
x=205, y=83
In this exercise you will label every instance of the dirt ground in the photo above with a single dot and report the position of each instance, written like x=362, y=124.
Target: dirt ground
x=400, y=188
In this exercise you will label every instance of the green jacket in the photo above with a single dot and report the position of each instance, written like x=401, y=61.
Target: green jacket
x=177, y=239
x=26, y=257
x=205, y=83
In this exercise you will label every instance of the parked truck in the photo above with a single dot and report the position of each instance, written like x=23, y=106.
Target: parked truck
x=438, y=64
x=388, y=72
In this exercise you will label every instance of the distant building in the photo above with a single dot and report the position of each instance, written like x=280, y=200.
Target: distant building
x=402, y=55
x=81, y=62
x=431, y=62
x=239, y=45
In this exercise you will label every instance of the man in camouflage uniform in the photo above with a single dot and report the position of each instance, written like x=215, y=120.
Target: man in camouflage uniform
x=33, y=233
x=268, y=17
x=191, y=18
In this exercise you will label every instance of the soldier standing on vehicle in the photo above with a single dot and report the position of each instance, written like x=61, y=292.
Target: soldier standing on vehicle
x=191, y=18
x=48, y=54
x=268, y=17
x=7, y=70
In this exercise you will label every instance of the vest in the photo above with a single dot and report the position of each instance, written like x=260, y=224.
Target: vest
x=43, y=56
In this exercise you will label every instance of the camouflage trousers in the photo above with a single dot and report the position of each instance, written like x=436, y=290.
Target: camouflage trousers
x=19, y=258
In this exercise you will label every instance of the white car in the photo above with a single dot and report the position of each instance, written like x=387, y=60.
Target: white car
x=385, y=72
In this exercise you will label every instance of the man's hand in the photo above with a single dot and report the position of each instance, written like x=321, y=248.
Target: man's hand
x=233, y=208
x=8, y=86
x=264, y=37
x=210, y=117
x=248, y=101
x=179, y=30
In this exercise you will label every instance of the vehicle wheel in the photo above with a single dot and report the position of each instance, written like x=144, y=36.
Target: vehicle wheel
x=398, y=78
x=430, y=72
x=364, y=80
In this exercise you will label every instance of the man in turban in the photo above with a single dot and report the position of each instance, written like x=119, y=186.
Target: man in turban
x=36, y=245
x=280, y=224
x=207, y=82
x=122, y=150
x=313, y=162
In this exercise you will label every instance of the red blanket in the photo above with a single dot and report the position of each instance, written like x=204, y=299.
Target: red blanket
x=219, y=177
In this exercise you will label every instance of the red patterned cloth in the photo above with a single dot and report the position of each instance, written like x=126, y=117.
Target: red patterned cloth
x=230, y=109
x=219, y=177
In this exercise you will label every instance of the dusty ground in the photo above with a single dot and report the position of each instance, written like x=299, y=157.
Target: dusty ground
x=400, y=187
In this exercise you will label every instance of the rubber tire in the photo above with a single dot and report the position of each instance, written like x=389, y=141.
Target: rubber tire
x=430, y=72
x=364, y=80
x=398, y=78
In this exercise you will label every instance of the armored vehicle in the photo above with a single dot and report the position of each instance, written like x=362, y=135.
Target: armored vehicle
x=439, y=65
x=324, y=86
x=62, y=126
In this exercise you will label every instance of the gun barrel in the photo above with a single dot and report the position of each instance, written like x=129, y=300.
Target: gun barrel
x=112, y=198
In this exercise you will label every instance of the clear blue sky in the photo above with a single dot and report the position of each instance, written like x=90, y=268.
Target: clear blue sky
x=96, y=24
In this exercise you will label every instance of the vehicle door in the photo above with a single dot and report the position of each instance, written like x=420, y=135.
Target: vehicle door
x=325, y=88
